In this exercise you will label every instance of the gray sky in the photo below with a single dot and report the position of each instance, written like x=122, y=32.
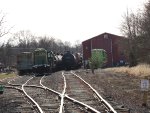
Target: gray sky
x=68, y=20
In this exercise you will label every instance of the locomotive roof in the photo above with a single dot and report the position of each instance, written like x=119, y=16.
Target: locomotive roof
x=98, y=50
x=25, y=53
x=39, y=49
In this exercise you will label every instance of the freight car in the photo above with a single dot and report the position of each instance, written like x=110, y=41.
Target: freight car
x=70, y=61
x=58, y=62
x=78, y=59
x=43, y=61
x=55, y=61
x=24, y=63
x=98, y=58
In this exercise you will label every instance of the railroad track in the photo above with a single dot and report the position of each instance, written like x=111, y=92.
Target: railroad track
x=82, y=91
x=64, y=92
x=16, y=101
x=77, y=97
x=42, y=99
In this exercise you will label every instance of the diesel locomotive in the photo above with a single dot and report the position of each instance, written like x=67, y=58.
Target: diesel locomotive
x=98, y=58
x=24, y=63
x=41, y=61
x=45, y=61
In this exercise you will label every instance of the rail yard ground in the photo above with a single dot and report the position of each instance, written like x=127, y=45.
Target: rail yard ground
x=123, y=85
x=120, y=87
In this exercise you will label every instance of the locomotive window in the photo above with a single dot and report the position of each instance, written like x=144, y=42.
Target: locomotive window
x=40, y=53
x=49, y=54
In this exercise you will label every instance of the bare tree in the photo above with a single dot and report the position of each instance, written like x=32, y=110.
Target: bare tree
x=5, y=48
x=60, y=45
x=34, y=43
x=67, y=46
x=52, y=44
x=131, y=28
x=24, y=39
x=47, y=43
x=78, y=46
x=145, y=34
x=136, y=27
x=146, y=20
x=3, y=29
x=5, y=54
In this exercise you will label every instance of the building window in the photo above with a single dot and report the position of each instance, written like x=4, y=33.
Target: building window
x=106, y=36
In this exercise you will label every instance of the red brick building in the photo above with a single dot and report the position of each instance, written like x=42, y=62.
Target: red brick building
x=111, y=43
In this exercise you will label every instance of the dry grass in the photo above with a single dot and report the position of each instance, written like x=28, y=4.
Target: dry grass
x=6, y=75
x=140, y=70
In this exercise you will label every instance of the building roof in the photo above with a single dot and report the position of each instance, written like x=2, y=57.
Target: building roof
x=113, y=35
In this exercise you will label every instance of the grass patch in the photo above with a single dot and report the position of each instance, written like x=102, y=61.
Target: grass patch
x=139, y=70
x=6, y=75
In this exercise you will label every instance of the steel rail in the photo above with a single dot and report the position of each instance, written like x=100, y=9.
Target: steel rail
x=42, y=87
x=63, y=94
x=59, y=94
x=67, y=97
x=83, y=104
x=9, y=82
x=46, y=88
x=109, y=107
x=39, y=108
x=12, y=87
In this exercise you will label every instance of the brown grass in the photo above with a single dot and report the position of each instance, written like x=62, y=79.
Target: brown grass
x=140, y=70
x=7, y=75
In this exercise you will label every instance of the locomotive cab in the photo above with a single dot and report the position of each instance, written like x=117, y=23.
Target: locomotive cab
x=41, y=65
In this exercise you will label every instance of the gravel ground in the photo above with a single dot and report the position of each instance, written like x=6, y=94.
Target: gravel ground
x=122, y=88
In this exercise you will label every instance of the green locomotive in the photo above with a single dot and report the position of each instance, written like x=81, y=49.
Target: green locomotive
x=24, y=63
x=98, y=58
x=43, y=61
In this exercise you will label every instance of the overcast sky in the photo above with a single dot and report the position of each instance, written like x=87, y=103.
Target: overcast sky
x=68, y=20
